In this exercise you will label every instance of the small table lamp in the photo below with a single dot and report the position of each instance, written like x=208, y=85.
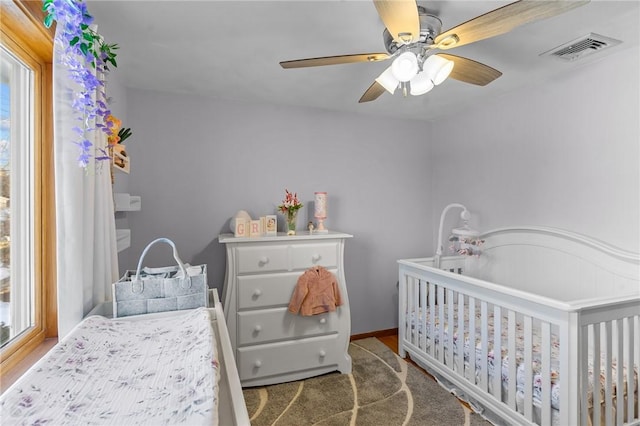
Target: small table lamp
x=320, y=210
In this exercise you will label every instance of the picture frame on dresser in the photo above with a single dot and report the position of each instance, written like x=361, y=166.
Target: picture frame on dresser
x=270, y=344
x=271, y=225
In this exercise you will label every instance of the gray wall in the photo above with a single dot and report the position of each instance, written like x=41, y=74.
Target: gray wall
x=196, y=162
x=563, y=154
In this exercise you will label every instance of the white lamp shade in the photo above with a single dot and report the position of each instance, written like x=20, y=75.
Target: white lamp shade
x=388, y=81
x=405, y=67
x=320, y=203
x=421, y=84
x=438, y=68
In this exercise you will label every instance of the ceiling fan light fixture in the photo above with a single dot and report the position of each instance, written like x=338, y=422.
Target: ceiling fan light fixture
x=411, y=34
x=405, y=67
x=438, y=68
x=388, y=81
x=421, y=84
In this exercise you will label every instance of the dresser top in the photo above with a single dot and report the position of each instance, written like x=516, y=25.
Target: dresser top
x=282, y=236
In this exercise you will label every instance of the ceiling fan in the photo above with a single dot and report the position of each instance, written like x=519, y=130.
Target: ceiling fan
x=411, y=36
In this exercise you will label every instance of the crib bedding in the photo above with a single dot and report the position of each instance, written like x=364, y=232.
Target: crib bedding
x=152, y=371
x=504, y=368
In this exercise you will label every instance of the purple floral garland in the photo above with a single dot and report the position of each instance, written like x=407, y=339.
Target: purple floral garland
x=85, y=55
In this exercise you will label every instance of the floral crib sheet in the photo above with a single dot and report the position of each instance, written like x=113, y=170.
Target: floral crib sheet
x=504, y=368
x=151, y=371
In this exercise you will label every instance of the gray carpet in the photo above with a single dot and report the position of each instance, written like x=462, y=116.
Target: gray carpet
x=382, y=390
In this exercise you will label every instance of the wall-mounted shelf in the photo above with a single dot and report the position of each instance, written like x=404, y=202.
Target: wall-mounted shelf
x=123, y=239
x=124, y=202
x=119, y=159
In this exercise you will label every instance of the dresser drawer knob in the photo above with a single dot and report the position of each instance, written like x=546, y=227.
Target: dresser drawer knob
x=257, y=328
x=257, y=364
x=323, y=320
x=264, y=260
x=322, y=353
x=257, y=293
x=315, y=257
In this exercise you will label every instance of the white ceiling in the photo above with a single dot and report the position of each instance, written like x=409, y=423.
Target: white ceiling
x=231, y=50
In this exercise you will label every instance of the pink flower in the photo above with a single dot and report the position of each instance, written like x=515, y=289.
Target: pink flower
x=290, y=202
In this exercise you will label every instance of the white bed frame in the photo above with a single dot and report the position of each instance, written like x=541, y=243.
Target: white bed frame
x=585, y=291
x=232, y=410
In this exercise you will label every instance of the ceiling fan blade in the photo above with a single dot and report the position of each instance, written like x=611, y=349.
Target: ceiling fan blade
x=470, y=71
x=503, y=20
x=373, y=92
x=334, y=60
x=401, y=19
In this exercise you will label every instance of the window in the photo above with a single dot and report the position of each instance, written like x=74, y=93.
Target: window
x=17, y=295
x=27, y=216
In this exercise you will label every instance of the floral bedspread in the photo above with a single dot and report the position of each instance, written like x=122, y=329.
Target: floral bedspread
x=153, y=371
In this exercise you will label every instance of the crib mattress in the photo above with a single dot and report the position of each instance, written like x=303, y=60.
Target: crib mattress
x=504, y=367
x=152, y=371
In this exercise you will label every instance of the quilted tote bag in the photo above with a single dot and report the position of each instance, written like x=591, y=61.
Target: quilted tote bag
x=171, y=288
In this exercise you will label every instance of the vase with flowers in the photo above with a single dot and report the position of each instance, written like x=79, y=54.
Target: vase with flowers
x=289, y=208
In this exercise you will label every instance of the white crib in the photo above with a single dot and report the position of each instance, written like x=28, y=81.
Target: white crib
x=569, y=310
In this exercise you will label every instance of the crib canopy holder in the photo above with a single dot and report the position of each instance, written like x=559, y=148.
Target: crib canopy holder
x=464, y=239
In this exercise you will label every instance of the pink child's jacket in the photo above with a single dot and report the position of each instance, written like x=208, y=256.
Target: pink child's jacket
x=316, y=293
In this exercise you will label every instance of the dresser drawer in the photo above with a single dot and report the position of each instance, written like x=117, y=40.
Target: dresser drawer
x=270, y=325
x=257, y=291
x=270, y=290
x=287, y=357
x=304, y=256
x=258, y=259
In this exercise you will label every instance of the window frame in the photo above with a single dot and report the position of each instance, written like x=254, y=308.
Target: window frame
x=24, y=34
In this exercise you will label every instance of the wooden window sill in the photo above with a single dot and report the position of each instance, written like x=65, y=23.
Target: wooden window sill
x=9, y=377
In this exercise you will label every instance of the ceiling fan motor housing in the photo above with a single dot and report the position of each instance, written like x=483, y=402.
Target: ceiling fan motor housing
x=430, y=28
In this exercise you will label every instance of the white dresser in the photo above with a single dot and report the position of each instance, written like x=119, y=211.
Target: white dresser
x=272, y=345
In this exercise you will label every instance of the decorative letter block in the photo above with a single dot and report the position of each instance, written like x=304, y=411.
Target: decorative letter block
x=254, y=228
x=240, y=228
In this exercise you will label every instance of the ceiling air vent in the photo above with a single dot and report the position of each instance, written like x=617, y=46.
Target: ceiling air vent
x=581, y=47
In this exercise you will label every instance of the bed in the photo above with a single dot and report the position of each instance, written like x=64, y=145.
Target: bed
x=521, y=331
x=164, y=368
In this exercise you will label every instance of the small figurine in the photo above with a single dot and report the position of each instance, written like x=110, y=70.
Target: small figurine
x=311, y=227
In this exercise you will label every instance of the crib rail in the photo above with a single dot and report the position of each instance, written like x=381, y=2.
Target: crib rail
x=610, y=340
x=474, y=334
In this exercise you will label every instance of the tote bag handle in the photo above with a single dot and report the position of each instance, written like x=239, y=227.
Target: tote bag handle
x=175, y=256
